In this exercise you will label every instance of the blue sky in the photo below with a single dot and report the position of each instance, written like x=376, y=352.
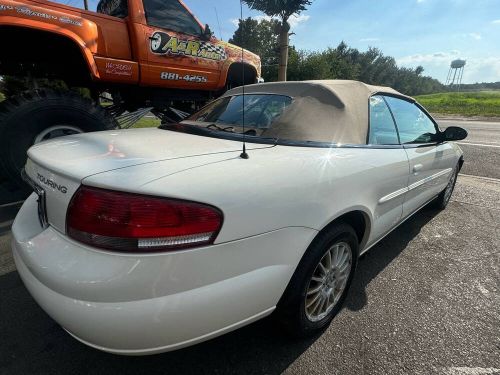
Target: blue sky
x=430, y=33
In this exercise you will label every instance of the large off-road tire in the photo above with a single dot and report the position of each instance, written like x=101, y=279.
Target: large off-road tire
x=325, y=274
x=38, y=115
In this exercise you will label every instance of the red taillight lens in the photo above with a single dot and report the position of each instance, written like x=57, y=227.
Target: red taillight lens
x=131, y=222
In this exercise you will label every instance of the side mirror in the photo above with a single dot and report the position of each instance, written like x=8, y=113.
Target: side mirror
x=454, y=133
x=206, y=34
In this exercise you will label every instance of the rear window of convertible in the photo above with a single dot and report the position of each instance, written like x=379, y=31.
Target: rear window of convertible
x=258, y=112
x=301, y=119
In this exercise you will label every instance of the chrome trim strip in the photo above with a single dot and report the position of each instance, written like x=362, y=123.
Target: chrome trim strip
x=429, y=178
x=397, y=225
x=393, y=195
x=415, y=185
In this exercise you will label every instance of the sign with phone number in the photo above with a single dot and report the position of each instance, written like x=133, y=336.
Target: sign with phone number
x=187, y=77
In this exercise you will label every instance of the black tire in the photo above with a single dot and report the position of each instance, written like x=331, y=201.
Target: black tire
x=24, y=117
x=443, y=198
x=291, y=309
x=157, y=41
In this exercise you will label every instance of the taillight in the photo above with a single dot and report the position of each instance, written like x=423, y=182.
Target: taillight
x=139, y=223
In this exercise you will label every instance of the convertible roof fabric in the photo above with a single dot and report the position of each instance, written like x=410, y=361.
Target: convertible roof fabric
x=333, y=111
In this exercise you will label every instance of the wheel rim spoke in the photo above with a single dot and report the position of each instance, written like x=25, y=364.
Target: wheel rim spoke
x=322, y=268
x=315, y=290
x=329, y=263
x=311, y=302
x=328, y=281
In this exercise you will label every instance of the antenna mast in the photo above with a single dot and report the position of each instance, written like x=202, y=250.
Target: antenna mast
x=218, y=23
x=244, y=154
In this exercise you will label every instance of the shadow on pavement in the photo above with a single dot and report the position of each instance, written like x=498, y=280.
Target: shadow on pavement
x=31, y=342
x=9, y=192
x=381, y=255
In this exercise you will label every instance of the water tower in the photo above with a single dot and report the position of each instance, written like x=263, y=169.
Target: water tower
x=455, y=73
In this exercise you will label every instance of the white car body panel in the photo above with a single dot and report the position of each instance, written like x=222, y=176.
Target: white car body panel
x=430, y=168
x=184, y=297
x=159, y=301
x=274, y=204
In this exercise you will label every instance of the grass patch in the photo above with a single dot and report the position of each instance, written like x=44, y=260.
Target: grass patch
x=147, y=122
x=480, y=103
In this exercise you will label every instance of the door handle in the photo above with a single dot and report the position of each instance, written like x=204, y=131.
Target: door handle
x=417, y=168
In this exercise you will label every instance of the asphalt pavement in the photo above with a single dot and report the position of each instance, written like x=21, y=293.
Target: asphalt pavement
x=481, y=147
x=425, y=300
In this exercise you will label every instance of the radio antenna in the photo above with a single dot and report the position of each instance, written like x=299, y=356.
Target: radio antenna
x=244, y=154
x=218, y=23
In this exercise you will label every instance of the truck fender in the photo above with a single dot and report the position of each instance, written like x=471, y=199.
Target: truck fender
x=227, y=66
x=86, y=44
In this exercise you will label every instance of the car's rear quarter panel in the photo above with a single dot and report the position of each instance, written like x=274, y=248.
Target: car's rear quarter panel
x=281, y=187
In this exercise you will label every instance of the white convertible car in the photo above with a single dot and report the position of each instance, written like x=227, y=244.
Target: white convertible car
x=148, y=240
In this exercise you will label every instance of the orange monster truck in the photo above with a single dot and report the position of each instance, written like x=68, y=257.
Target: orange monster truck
x=141, y=53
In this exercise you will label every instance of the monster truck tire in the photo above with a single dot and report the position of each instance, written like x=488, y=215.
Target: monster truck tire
x=30, y=117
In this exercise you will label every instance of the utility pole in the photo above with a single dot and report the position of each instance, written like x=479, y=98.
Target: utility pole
x=86, y=4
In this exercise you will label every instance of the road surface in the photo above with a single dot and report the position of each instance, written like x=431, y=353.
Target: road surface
x=481, y=148
x=426, y=300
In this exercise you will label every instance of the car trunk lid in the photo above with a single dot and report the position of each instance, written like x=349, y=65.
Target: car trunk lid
x=60, y=165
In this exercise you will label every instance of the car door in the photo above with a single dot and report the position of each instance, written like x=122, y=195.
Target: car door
x=177, y=54
x=391, y=166
x=431, y=161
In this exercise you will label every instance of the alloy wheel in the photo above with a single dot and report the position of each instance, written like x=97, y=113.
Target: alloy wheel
x=328, y=281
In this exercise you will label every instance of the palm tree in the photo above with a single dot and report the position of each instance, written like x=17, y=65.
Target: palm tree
x=283, y=9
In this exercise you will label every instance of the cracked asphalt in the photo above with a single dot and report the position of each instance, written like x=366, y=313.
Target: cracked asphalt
x=425, y=300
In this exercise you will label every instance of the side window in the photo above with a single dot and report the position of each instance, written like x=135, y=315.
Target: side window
x=115, y=8
x=382, y=127
x=171, y=15
x=414, y=126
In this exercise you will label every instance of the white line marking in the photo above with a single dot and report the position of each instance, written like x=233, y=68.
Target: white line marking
x=480, y=177
x=478, y=144
x=6, y=224
x=471, y=371
x=10, y=204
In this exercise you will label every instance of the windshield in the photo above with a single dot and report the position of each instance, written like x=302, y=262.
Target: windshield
x=226, y=114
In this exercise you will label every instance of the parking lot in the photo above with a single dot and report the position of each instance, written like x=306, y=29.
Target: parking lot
x=425, y=300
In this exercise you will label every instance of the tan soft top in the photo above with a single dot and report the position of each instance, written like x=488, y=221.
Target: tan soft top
x=335, y=111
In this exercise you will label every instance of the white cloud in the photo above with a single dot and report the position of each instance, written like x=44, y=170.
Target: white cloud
x=475, y=36
x=495, y=22
x=369, y=40
x=293, y=20
x=420, y=1
x=482, y=70
x=436, y=58
x=296, y=20
x=485, y=69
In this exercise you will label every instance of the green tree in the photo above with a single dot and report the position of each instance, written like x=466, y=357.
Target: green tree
x=261, y=38
x=283, y=9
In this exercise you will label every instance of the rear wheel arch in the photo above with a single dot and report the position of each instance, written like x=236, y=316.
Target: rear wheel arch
x=358, y=219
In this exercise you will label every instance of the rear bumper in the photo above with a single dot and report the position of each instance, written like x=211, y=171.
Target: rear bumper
x=144, y=304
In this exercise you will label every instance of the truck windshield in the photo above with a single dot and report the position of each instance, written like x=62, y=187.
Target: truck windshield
x=226, y=114
x=171, y=15
x=115, y=8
